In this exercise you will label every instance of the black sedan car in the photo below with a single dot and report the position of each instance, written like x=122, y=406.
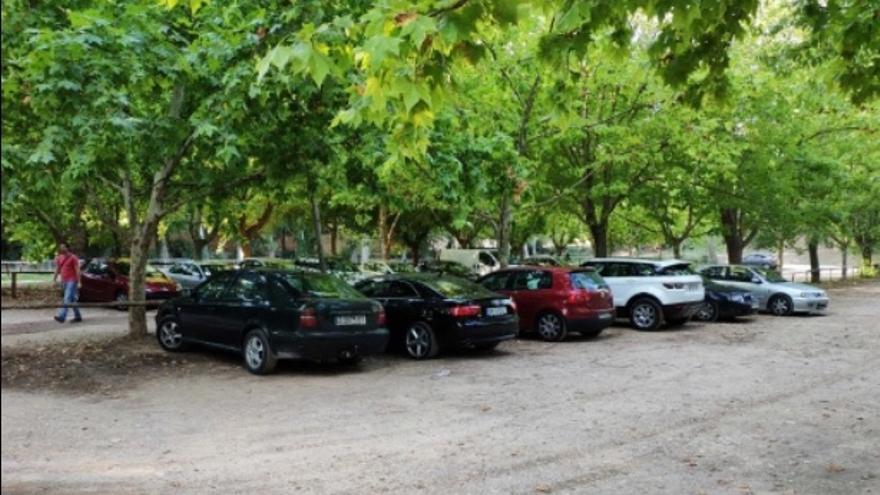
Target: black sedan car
x=267, y=315
x=725, y=302
x=429, y=312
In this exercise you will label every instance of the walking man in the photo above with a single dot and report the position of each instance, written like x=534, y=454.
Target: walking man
x=67, y=267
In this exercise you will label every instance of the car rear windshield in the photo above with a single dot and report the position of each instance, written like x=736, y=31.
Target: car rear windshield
x=456, y=288
x=680, y=269
x=589, y=280
x=320, y=286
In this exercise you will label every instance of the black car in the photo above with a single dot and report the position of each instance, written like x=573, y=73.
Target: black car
x=429, y=312
x=268, y=314
x=724, y=302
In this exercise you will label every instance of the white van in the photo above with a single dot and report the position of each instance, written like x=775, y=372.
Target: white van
x=480, y=261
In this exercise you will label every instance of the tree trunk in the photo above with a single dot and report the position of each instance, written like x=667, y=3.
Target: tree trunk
x=732, y=236
x=504, y=231
x=199, y=246
x=815, y=273
x=867, y=257
x=676, y=248
x=247, y=250
x=316, y=219
x=416, y=255
x=599, y=235
x=334, y=232
x=383, y=225
x=780, y=255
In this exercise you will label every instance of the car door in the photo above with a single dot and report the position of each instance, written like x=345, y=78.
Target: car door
x=743, y=277
x=402, y=304
x=527, y=286
x=245, y=301
x=99, y=282
x=197, y=314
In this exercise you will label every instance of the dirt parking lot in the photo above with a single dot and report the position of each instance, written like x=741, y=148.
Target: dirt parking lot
x=765, y=405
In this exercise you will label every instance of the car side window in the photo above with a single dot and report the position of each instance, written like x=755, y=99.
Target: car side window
x=740, y=274
x=642, y=270
x=486, y=259
x=532, y=280
x=248, y=287
x=367, y=288
x=401, y=290
x=715, y=272
x=280, y=294
x=496, y=281
x=213, y=289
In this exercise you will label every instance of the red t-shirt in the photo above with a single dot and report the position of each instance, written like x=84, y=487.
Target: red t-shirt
x=67, y=265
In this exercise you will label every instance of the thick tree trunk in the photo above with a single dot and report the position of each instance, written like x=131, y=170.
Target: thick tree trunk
x=815, y=273
x=599, y=235
x=732, y=236
x=140, y=246
x=676, y=248
x=414, y=247
x=247, y=250
x=504, y=231
x=316, y=219
x=199, y=246
x=334, y=232
x=780, y=255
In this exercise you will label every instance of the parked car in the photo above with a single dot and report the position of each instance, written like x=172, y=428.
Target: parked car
x=553, y=301
x=210, y=267
x=184, y=271
x=772, y=291
x=763, y=260
x=479, y=261
x=269, y=314
x=449, y=268
x=540, y=260
x=106, y=280
x=278, y=263
x=725, y=302
x=428, y=313
x=651, y=292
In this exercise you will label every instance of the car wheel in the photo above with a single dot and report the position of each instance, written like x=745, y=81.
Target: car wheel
x=707, y=312
x=421, y=341
x=169, y=336
x=259, y=358
x=121, y=297
x=645, y=314
x=551, y=327
x=780, y=305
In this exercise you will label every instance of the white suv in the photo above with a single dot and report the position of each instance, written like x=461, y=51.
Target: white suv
x=649, y=292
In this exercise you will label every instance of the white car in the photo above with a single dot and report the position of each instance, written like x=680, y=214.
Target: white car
x=478, y=261
x=771, y=290
x=651, y=292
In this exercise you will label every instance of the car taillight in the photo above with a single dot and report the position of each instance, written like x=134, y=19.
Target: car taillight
x=308, y=319
x=380, y=321
x=512, y=305
x=578, y=297
x=464, y=311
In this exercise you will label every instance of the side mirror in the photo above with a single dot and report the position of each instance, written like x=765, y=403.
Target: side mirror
x=756, y=280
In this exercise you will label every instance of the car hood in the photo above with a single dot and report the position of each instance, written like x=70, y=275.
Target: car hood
x=797, y=287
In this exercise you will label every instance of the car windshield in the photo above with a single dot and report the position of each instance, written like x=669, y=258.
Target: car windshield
x=680, y=269
x=124, y=267
x=587, y=279
x=456, y=288
x=771, y=276
x=321, y=286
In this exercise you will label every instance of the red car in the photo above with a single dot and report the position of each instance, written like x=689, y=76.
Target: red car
x=106, y=280
x=553, y=301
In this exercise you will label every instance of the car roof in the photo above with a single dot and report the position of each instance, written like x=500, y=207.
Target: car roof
x=555, y=269
x=660, y=263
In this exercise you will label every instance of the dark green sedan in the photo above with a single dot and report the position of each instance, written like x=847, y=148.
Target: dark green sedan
x=267, y=315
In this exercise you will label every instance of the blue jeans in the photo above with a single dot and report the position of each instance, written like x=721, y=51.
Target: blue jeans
x=70, y=296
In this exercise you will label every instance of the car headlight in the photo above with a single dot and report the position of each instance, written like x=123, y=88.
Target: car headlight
x=737, y=298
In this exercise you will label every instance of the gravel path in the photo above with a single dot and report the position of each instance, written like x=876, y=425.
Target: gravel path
x=765, y=405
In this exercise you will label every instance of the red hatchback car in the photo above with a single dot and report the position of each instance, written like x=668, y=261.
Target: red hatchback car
x=553, y=301
x=106, y=280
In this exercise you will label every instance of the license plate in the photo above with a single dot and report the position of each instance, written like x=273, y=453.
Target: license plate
x=496, y=311
x=605, y=316
x=351, y=320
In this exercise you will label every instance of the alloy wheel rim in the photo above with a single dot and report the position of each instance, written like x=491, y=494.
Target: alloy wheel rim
x=171, y=338
x=706, y=312
x=417, y=341
x=780, y=306
x=549, y=326
x=255, y=352
x=121, y=297
x=644, y=315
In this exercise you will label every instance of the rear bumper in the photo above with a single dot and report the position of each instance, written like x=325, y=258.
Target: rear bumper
x=810, y=305
x=730, y=309
x=601, y=320
x=683, y=310
x=475, y=332
x=327, y=345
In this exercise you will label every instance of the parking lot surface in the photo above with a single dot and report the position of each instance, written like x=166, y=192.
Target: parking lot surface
x=763, y=405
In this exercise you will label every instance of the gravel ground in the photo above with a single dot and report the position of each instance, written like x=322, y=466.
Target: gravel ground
x=765, y=405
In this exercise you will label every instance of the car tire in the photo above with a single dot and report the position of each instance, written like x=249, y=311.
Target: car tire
x=551, y=327
x=169, y=336
x=645, y=314
x=420, y=341
x=707, y=312
x=121, y=297
x=257, y=353
x=780, y=305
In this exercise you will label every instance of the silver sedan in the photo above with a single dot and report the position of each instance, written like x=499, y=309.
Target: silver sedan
x=773, y=292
